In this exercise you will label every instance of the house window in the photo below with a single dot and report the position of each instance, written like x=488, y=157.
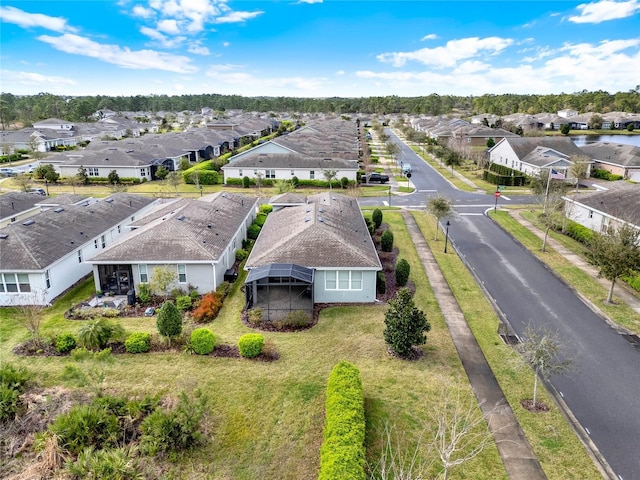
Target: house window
x=119, y=229
x=79, y=256
x=143, y=172
x=15, y=283
x=103, y=241
x=47, y=279
x=343, y=280
x=23, y=282
x=590, y=213
x=240, y=173
x=312, y=174
x=293, y=173
x=182, y=273
x=92, y=172
x=144, y=278
x=95, y=243
x=270, y=174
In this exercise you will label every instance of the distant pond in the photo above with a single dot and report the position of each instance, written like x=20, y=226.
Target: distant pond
x=581, y=140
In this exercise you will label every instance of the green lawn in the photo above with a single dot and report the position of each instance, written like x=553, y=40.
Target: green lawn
x=267, y=418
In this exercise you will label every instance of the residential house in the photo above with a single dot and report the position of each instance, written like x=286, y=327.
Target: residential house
x=196, y=237
x=318, y=252
x=616, y=158
x=598, y=210
x=18, y=206
x=44, y=255
x=530, y=155
x=567, y=113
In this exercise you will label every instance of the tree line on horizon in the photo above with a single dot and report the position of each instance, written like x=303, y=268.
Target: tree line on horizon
x=32, y=108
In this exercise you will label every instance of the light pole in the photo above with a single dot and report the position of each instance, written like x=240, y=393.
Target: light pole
x=446, y=236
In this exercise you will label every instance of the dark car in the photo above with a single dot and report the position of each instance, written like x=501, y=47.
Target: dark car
x=375, y=178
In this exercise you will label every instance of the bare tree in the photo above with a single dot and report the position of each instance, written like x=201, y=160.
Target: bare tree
x=162, y=278
x=173, y=179
x=542, y=351
x=30, y=314
x=23, y=181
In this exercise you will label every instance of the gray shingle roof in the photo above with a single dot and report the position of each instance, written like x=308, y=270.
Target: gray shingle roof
x=616, y=153
x=522, y=146
x=13, y=203
x=54, y=233
x=329, y=231
x=622, y=202
x=189, y=231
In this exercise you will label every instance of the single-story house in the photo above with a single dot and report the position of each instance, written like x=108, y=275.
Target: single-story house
x=598, y=210
x=318, y=252
x=44, y=255
x=530, y=155
x=617, y=158
x=196, y=237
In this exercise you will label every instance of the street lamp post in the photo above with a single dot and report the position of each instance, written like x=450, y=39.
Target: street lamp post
x=446, y=236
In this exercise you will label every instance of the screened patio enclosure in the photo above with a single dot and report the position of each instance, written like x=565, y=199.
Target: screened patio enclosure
x=279, y=289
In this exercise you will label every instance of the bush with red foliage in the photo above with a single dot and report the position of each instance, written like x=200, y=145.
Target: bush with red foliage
x=208, y=308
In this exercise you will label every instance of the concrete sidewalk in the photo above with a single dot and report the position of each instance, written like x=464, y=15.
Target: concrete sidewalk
x=517, y=455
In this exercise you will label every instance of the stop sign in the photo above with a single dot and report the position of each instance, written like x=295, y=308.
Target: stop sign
x=497, y=194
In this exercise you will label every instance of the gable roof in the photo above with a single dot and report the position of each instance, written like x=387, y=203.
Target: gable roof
x=522, y=146
x=278, y=160
x=36, y=243
x=190, y=231
x=615, y=153
x=328, y=232
x=622, y=202
x=14, y=203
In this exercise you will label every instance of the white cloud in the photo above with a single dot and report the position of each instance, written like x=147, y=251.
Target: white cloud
x=340, y=72
x=198, y=49
x=226, y=44
x=431, y=36
x=31, y=78
x=450, y=54
x=265, y=85
x=143, y=12
x=168, y=26
x=31, y=20
x=605, y=10
x=310, y=2
x=236, y=17
x=123, y=57
x=163, y=40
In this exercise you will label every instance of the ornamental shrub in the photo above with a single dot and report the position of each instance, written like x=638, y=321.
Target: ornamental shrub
x=241, y=254
x=144, y=292
x=223, y=290
x=266, y=208
x=386, y=241
x=376, y=216
x=183, y=302
x=9, y=402
x=169, y=321
x=381, y=283
x=139, y=342
x=344, y=182
x=295, y=181
x=96, y=334
x=208, y=308
x=246, y=182
x=107, y=464
x=203, y=341
x=253, y=231
x=260, y=219
x=579, y=232
x=85, y=426
x=402, y=272
x=65, y=342
x=250, y=345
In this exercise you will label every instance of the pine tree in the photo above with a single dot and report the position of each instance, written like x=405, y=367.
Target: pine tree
x=169, y=321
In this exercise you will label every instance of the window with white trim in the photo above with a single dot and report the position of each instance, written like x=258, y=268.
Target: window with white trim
x=240, y=173
x=79, y=256
x=103, y=241
x=47, y=279
x=95, y=243
x=15, y=283
x=269, y=174
x=182, y=273
x=92, y=172
x=312, y=174
x=293, y=172
x=343, y=280
x=144, y=277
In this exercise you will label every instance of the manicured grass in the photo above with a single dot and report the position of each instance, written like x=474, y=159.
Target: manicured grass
x=267, y=418
x=619, y=312
x=560, y=452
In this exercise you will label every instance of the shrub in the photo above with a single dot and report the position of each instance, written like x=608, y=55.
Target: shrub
x=370, y=225
x=107, y=464
x=183, y=302
x=295, y=319
x=144, y=292
x=376, y=216
x=203, y=341
x=402, y=272
x=65, y=342
x=381, y=283
x=344, y=182
x=9, y=402
x=342, y=454
x=169, y=321
x=139, y=342
x=85, y=426
x=295, y=181
x=169, y=431
x=250, y=345
x=253, y=231
x=246, y=182
x=208, y=308
x=241, y=254
x=266, y=208
x=254, y=316
x=386, y=241
x=223, y=290
x=96, y=334
x=579, y=232
x=260, y=219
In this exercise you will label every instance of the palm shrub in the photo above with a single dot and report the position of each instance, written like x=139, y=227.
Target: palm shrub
x=169, y=321
x=107, y=464
x=85, y=426
x=386, y=241
x=96, y=334
x=138, y=342
x=13, y=381
x=402, y=272
x=203, y=341
x=376, y=216
x=250, y=345
x=65, y=342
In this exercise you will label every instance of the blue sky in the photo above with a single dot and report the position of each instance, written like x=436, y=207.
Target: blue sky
x=318, y=48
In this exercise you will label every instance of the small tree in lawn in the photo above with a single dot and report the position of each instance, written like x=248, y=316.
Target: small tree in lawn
x=173, y=179
x=31, y=314
x=439, y=207
x=376, y=216
x=403, y=269
x=616, y=253
x=541, y=349
x=169, y=321
x=330, y=175
x=406, y=325
x=23, y=181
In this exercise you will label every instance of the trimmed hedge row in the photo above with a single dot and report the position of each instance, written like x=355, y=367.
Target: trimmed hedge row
x=605, y=175
x=578, y=232
x=342, y=455
x=508, y=180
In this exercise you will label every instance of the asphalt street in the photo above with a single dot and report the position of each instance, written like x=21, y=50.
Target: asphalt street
x=602, y=390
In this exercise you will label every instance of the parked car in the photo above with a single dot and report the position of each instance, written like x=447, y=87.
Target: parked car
x=7, y=172
x=406, y=168
x=375, y=177
x=37, y=191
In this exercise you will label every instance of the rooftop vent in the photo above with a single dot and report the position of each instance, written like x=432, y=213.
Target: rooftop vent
x=109, y=200
x=209, y=225
x=180, y=217
x=29, y=222
x=59, y=209
x=321, y=219
x=4, y=236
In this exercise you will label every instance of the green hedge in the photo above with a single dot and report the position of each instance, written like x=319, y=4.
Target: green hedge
x=250, y=345
x=578, y=232
x=10, y=158
x=123, y=180
x=605, y=175
x=518, y=180
x=342, y=455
